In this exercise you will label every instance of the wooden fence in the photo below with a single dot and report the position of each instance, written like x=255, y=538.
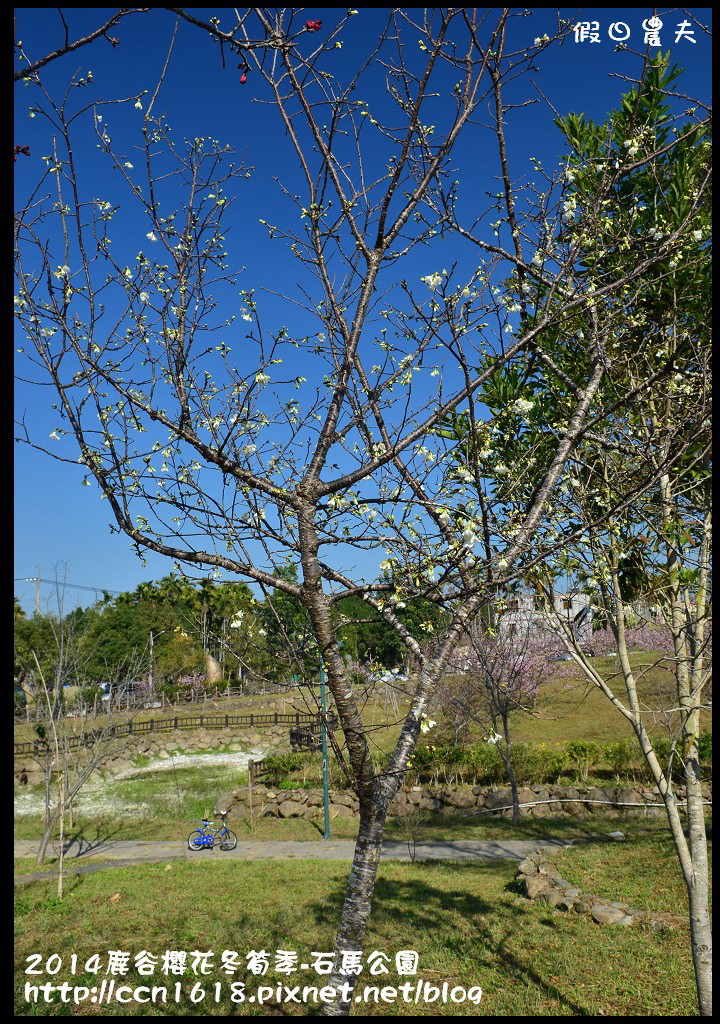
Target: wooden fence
x=251, y=721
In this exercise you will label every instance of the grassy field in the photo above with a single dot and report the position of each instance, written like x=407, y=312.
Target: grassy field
x=567, y=705
x=467, y=923
x=164, y=803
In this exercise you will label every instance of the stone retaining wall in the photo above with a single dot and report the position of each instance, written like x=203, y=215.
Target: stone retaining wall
x=307, y=803
x=29, y=769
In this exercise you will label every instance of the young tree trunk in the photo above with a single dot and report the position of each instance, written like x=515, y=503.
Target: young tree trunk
x=701, y=940
x=50, y=824
x=61, y=808
x=510, y=771
x=700, y=927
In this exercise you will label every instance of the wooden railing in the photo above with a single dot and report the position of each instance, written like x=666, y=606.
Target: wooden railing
x=250, y=721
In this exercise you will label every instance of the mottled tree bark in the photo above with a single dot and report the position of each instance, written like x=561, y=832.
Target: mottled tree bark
x=358, y=895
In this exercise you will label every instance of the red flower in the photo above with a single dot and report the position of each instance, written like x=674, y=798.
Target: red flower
x=243, y=78
x=25, y=150
x=313, y=26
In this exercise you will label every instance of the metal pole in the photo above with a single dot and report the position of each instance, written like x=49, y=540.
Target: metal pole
x=323, y=736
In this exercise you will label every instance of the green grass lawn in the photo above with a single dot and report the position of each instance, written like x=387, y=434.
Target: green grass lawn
x=466, y=922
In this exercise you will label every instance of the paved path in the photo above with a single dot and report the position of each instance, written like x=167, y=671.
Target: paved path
x=118, y=853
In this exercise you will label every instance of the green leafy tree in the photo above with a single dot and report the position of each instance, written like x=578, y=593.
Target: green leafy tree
x=119, y=635
x=632, y=511
x=201, y=434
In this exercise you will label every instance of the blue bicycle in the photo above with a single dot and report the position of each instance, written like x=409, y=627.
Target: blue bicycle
x=205, y=837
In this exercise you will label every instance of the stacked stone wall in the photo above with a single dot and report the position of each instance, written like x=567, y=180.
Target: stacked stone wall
x=118, y=761
x=494, y=800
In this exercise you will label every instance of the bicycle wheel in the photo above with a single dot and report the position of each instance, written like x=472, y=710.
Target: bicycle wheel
x=228, y=841
x=194, y=840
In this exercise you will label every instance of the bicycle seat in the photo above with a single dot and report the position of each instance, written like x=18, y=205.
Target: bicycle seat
x=207, y=822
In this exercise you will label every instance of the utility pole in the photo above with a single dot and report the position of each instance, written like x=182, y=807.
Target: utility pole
x=37, y=592
x=323, y=736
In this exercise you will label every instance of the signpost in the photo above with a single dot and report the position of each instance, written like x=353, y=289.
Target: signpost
x=323, y=742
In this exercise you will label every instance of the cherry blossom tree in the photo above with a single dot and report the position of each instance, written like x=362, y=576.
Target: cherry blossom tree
x=500, y=673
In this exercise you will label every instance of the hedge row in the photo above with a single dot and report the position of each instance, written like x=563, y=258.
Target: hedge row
x=481, y=764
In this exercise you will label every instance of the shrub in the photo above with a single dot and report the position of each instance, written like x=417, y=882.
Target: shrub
x=449, y=768
x=279, y=767
x=527, y=762
x=624, y=757
x=485, y=764
x=420, y=765
x=582, y=756
x=171, y=691
x=555, y=765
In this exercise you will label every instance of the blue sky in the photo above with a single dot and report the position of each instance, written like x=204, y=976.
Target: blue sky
x=62, y=524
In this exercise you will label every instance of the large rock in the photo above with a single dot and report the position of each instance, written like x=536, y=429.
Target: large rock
x=604, y=914
x=627, y=796
x=344, y=799
x=535, y=884
x=225, y=802
x=341, y=811
x=290, y=809
x=500, y=798
x=565, y=792
x=566, y=903
x=431, y=803
x=550, y=896
x=527, y=867
x=606, y=795
x=540, y=792
x=461, y=798
x=298, y=796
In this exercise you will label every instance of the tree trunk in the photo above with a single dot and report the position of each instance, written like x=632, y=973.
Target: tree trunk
x=47, y=836
x=358, y=897
x=510, y=771
x=700, y=928
x=61, y=806
x=701, y=941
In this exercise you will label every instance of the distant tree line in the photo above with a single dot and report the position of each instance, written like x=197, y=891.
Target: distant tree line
x=177, y=633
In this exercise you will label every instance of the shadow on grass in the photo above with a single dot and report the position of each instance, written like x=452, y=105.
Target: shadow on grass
x=590, y=828
x=412, y=907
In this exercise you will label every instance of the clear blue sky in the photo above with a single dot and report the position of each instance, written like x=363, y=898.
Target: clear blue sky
x=62, y=524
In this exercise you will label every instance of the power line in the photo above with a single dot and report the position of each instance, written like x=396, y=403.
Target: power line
x=65, y=586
